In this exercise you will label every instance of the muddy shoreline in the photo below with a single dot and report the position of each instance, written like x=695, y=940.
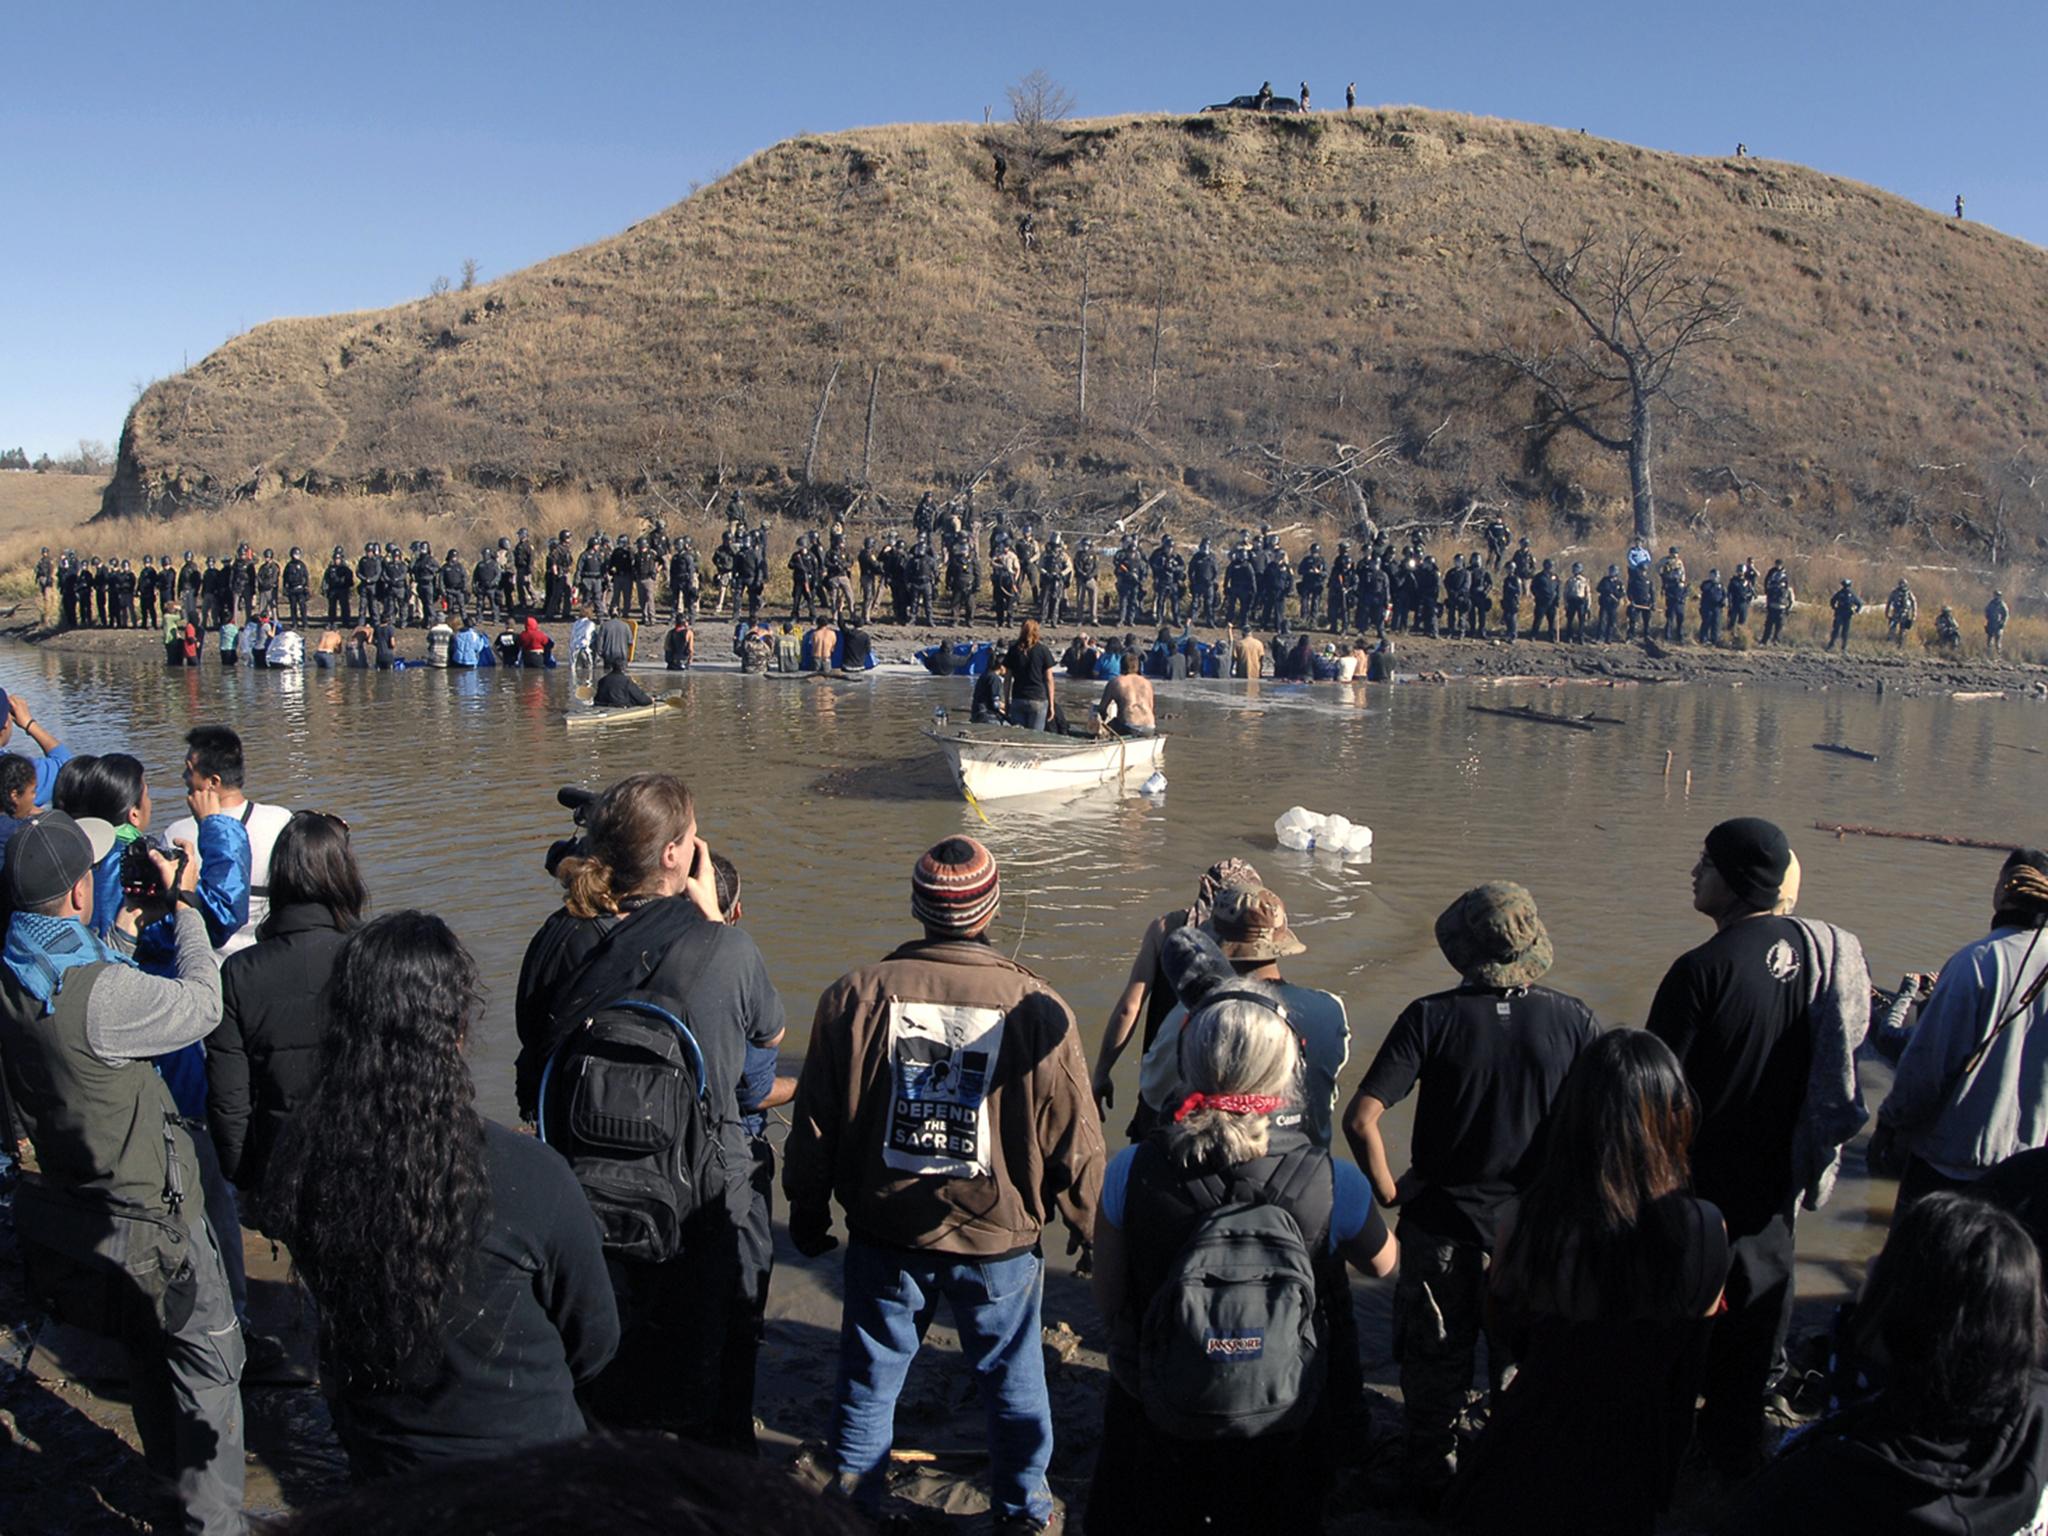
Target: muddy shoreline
x=1873, y=666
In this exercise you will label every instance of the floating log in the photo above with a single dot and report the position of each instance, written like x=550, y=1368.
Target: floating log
x=2013, y=746
x=1841, y=829
x=1526, y=713
x=1841, y=751
x=1972, y=698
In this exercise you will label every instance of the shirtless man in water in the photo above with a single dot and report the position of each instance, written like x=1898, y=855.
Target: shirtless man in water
x=1126, y=706
x=1247, y=653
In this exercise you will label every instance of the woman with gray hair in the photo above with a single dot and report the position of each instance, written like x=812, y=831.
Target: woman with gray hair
x=1220, y=1246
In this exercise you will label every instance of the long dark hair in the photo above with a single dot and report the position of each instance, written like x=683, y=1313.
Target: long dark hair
x=1618, y=1140
x=311, y=865
x=379, y=1184
x=1954, y=1306
x=108, y=787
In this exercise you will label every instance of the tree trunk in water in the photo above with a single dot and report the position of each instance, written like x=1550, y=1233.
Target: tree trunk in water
x=1639, y=470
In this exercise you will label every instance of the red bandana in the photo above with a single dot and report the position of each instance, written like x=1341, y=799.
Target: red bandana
x=1229, y=1103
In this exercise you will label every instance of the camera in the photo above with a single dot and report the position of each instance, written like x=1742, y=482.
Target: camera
x=577, y=802
x=139, y=875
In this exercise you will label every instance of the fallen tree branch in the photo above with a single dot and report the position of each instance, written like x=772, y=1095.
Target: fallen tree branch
x=1841, y=829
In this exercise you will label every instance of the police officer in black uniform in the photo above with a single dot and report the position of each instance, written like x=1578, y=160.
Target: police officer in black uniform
x=685, y=581
x=1609, y=593
x=1311, y=576
x=1087, y=565
x=298, y=586
x=1202, y=585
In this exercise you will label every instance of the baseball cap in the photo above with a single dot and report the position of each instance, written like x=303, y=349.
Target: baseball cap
x=51, y=854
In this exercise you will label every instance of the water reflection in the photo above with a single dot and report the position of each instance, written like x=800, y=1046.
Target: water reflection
x=825, y=793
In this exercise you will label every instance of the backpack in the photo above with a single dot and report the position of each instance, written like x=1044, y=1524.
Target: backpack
x=624, y=1099
x=1230, y=1345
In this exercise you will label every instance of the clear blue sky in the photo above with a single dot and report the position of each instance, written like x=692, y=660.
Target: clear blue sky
x=177, y=173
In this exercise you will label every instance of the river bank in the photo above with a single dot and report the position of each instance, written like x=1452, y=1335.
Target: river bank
x=822, y=795
x=1872, y=665
x=73, y=1461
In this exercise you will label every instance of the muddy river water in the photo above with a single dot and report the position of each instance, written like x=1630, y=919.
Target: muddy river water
x=824, y=795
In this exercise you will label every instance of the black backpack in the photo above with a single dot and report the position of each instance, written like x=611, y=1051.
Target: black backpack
x=1230, y=1346
x=623, y=1096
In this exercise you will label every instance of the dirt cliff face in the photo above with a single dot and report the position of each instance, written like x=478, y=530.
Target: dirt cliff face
x=1277, y=310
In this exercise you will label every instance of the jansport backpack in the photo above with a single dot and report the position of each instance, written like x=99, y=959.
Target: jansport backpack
x=623, y=1097
x=1230, y=1345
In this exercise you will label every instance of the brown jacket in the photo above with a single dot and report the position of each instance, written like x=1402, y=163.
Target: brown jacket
x=895, y=1121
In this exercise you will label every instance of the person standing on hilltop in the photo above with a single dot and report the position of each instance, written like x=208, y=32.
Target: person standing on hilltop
x=1304, y=95
x=1351, y=97
x=1959, y=206
x=1266, y=97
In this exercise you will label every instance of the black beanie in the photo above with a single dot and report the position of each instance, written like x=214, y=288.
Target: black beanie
x=1752, y=856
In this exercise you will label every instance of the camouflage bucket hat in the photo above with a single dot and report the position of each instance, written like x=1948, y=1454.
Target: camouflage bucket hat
x=1250, y=923
x=1493, y=937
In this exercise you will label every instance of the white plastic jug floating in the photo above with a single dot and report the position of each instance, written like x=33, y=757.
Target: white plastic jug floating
x=1305, y=831
x=1156, y=785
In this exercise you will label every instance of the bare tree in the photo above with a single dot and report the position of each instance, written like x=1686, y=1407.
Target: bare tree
x=1038, y=102
x=1639, y=313
x=437, y=287
x=469, y=271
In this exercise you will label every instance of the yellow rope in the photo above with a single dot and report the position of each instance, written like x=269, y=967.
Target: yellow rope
x=974, y=802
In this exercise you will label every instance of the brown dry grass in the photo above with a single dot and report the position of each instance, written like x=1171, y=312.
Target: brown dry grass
x=36, y=510
x=1315, y=282
x=48, y=504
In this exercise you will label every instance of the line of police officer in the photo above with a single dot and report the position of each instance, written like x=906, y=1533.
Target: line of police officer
x=1256, y=586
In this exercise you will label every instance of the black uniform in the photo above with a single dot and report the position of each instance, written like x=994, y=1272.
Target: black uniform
x=298, y=585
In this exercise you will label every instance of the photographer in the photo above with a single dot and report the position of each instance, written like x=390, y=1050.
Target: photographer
x=113, y=789
x=642, y=887
x=79, y=1024
x=1970, y=1090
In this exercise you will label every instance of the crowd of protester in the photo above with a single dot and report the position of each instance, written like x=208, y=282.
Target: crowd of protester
x=210, y=1032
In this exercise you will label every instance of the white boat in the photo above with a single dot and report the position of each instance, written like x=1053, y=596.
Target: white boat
x=588, y=714
x=997, y=762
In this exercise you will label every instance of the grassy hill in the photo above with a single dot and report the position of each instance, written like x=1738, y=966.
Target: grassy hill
x=1261, y=291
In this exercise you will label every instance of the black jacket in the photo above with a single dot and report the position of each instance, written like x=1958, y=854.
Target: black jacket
x=1857, y=1473
x=262, y=1059
x=532, y=1321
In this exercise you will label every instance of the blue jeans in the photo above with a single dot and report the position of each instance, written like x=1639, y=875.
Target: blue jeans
x=1029, y=713
x=890, y=1299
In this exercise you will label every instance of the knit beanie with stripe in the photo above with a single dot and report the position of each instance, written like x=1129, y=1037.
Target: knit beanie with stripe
x=955, y=889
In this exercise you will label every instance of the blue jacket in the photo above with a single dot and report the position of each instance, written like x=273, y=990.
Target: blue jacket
x=222, y=900
x=46, y=771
